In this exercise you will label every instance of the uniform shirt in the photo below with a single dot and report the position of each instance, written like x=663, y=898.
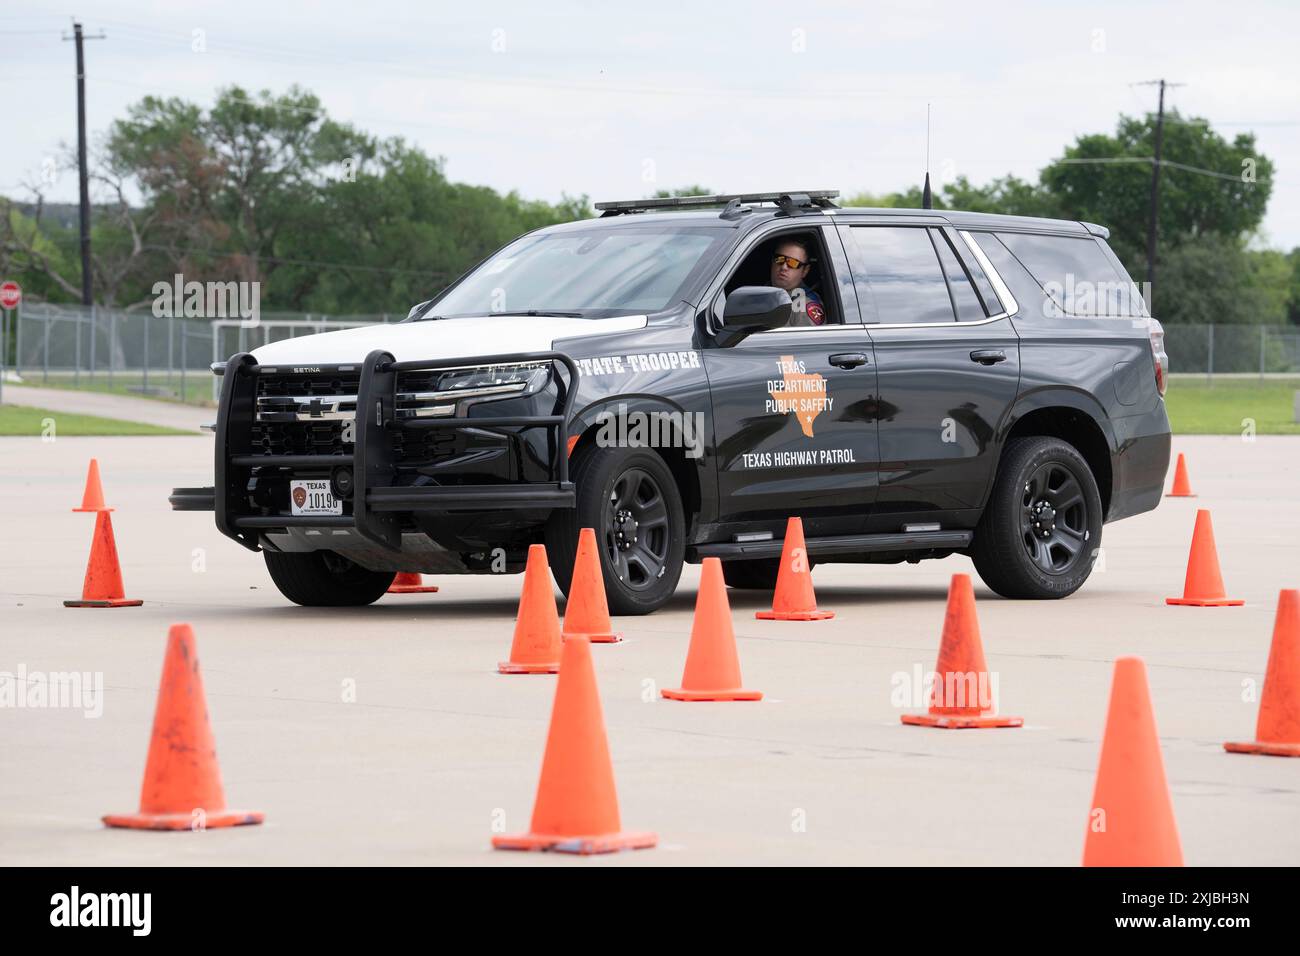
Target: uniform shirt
x=808, y=307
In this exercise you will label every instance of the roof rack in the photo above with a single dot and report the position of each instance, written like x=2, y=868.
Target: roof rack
x=790, y=203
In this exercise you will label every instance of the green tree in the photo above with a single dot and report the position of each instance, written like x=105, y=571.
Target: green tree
x=1293, y=297
x=228, y=182
x=1106, y=179
x=398, y=232
x=267, y=187
x=1007, y=196
x=42, y=257
x=908, y=199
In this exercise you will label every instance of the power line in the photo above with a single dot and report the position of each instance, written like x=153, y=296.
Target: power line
x=1104, y=160
x=1234, y=177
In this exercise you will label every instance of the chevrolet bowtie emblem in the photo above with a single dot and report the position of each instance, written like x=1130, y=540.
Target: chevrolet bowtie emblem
x=314, y=409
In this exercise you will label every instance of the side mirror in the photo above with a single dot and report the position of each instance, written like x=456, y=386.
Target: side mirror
x=756, y=308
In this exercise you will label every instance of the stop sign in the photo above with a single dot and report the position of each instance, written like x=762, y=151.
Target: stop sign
x=10, y=295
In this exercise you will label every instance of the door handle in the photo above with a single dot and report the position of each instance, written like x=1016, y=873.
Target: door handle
x=988, y=356
x=848, y=359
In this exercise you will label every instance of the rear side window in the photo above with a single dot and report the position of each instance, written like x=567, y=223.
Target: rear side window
x=992, y=304
x=1075, y=273
x=901, y=268
x=968, y=305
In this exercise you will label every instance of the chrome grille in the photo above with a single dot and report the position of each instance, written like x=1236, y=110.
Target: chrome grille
x=304, y=414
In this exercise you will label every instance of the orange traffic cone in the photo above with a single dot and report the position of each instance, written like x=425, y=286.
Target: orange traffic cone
x=587, y=612
x=182, y=783
x=576, y=810
x=103, y=584
x=408, y=582
x=1204, y=584
x=1182, y=487
x=962, y=694
x=794, y=599
x=536, y=648
x=712, y=665
x=1277, y=732
x=92, y=499
x=1132, y=818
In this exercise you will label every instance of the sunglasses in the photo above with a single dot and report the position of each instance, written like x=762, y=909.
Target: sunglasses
x=790, y=261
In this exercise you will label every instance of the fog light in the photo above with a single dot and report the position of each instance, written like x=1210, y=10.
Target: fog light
x=341, y=480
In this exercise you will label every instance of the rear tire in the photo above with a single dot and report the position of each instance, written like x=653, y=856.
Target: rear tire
x=325, y=579
x=629, y=492
x=1041, y=529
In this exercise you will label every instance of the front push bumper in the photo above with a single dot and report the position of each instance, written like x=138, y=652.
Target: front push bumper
x=378, y=497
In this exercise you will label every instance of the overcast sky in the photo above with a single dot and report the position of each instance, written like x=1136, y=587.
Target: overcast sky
x=615, y=100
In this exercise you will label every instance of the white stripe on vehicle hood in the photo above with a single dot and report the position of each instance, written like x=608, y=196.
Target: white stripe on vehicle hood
x=439, y=339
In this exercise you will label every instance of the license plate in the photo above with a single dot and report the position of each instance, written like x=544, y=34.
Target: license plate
x=314, y=498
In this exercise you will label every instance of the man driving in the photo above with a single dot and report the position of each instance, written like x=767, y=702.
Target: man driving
x=790, y=267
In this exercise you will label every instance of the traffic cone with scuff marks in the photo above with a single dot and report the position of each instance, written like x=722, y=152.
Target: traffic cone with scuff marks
x=409, y=582
x=537, y=643
x=102, y=586
x=1204, y=584
x=794, y=599
x=576, y=810
x=961, y=673
x=1277, y=731
x=182, y=783
x=1131, y=822
x=1182, y=487
x=92, y=499
x=712, y=664
x=587, y=612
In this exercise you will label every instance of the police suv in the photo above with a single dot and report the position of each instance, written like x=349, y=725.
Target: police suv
x=966, y=383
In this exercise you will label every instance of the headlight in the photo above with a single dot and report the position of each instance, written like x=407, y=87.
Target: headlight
x=450, y=391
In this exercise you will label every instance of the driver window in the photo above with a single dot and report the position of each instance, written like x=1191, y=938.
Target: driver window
x=797, y=263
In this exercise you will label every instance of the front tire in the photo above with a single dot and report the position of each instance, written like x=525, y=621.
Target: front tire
x=629, y=498
x=325, y=579
x=1041, y=529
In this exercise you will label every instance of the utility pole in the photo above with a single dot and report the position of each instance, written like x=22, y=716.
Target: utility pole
x=87, y=291
x=1153, y=211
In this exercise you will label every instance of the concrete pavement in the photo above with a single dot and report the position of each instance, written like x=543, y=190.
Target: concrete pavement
x=437, y=749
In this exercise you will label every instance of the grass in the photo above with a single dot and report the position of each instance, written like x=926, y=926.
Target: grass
x=198, y=384
x=1199, y=408
x=20, y=420
x=1195, y=406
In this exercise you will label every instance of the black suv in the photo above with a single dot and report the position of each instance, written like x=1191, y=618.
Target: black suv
x=967, y=383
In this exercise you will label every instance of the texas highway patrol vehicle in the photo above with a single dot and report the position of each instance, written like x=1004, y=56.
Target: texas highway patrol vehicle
x=967, y=383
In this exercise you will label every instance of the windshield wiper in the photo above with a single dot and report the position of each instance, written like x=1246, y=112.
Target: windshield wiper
x=547, y=312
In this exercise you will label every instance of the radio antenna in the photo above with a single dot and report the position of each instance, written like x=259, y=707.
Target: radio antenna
x=927, y=200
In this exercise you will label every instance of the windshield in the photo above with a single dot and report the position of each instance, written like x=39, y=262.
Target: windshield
x=596, y=272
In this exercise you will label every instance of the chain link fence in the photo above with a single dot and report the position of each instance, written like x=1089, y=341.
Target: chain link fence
x=1233, y=350
x=137, y=353
x=134, y=352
